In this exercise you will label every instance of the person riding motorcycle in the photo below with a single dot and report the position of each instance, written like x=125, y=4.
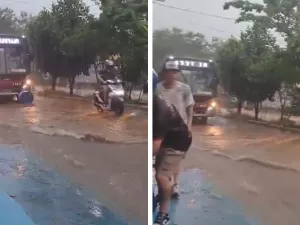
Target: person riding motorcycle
x=171, y=141
x=107, y=74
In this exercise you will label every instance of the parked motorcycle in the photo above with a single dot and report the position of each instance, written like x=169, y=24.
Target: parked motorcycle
x=115, y=98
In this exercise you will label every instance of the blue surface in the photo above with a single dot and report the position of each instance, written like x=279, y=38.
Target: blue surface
x=7, y=206
x=45, y=196
x=198, y=204
x=25, y=97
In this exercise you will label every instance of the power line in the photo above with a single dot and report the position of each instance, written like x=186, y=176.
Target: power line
x=210, y=28
x=193, y=11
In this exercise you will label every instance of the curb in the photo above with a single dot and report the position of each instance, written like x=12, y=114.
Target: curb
x=83, y=137
x=66, y=133
x=273, y=125
x=262, y=123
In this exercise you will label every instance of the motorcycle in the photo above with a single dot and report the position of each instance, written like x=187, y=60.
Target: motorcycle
x=115, y=98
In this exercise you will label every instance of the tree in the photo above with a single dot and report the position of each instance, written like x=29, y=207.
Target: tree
x=58, y=39
x=127, y=35
x=247, y=66
x=283, y=17
x=232, y=66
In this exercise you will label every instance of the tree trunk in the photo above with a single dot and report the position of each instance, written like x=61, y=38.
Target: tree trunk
x=53, y=82
x=130, y=91
x=281, y=112
x=71, y=85
x=141, y=94
x=256, y=108
x=96, y=74
x=239, y=106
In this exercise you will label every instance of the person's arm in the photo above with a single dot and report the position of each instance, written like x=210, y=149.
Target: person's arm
x=159, y=126
x=189, y=101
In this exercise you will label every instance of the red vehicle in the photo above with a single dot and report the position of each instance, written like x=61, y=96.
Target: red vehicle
x=15, y=61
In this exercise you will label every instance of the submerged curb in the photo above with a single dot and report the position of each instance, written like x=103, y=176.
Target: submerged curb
x=273, y=125
x=83, y=137
x=66, y=133
x=227, y=114
x=88, y=98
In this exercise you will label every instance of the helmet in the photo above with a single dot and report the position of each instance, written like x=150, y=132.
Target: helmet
x=108, y=63
x=171, y=66
x=155, y=80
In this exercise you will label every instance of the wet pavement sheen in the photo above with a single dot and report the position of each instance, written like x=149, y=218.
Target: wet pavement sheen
x=241, y=140
x=47, y=197
x=78, y=116
x=199, y=204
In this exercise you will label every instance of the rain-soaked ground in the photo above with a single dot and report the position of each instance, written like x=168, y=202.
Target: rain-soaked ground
x=47, y=197
x=63, y=173
x=77, y=117
x=256, y=166
x=200, y=204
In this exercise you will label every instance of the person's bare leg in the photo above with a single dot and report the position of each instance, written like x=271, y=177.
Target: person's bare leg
x=165, y=188
x=176, y=174
x=175, y=187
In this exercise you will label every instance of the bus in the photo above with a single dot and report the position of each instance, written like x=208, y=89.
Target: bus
x=15, y=65
x=201, y=76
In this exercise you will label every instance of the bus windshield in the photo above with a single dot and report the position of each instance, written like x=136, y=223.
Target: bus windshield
x=12, y=60
x=199, y=81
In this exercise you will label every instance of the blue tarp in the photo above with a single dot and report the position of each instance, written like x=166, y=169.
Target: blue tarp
x=11, y=213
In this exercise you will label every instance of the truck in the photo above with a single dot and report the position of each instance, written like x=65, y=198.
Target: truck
x=201, y=76
x=15, y=66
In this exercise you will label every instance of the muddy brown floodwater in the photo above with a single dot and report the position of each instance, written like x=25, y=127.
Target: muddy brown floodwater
x=80, y=117
x=116, y=172
x=258, y=166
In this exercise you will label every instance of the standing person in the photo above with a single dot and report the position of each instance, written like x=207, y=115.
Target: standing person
x=180, y=95
x=171, y=141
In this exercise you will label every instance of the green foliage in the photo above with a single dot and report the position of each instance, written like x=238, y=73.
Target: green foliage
x=127, y=34
x=53, y=33
x=248, y=66
x=270, y=67
x=67, y=39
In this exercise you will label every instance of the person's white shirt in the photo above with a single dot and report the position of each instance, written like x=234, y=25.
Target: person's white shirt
x=180, y=95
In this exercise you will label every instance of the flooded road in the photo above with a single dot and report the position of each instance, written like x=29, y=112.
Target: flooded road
x=77, y=117
x=45, y=196
x=199, y=203
x=45, y=162
x=256, y=166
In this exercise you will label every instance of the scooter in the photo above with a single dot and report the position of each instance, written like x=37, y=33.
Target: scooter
x=115, y=97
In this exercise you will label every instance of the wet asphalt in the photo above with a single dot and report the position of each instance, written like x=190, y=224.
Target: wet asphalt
x=246, y=174
x=255, y=167
x=59, y=179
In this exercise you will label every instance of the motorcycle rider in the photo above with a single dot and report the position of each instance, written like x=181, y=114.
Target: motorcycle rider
x=108, y=74
x=171, y=141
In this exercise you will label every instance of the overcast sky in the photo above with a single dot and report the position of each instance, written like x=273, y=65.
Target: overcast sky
x=210, y=26
x=34, y=6
x=164, y=17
